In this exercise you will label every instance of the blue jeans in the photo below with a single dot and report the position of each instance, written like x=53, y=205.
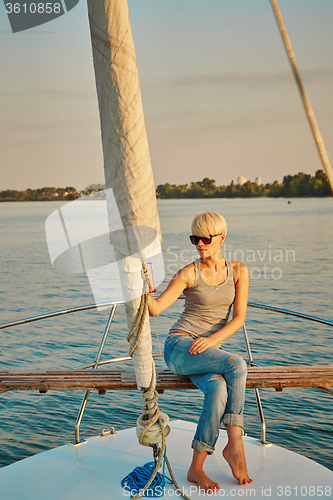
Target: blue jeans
x=221, y=377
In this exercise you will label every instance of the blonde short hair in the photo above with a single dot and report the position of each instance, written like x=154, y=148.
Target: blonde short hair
x=208, y=223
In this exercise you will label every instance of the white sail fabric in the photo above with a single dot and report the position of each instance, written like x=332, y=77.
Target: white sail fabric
x=126, y=159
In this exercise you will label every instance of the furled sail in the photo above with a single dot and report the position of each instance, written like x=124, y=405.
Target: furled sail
x=128, y=172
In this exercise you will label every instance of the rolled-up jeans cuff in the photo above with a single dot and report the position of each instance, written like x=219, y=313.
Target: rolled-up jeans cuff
x=200, y=446
x=231, y=419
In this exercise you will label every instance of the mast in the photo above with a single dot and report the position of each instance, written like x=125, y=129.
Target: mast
x=128, y=173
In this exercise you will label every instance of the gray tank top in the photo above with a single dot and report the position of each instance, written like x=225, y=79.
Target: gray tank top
x=207, y=307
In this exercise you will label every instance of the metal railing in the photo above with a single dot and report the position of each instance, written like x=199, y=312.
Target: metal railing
x=94, y=366
x=251, y=362
x=291, y=313
x=114, y=305
x=119, y=302
x=256, y=391
x=59, y=313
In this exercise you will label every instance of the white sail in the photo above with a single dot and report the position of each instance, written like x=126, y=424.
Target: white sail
x=128, y=171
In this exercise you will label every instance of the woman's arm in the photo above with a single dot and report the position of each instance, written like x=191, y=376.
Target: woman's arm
x=241, y=276
x=181, y=280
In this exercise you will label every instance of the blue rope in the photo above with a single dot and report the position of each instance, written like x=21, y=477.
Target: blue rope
x=136, y=480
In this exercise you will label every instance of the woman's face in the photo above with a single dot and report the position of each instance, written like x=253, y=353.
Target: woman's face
x=207, y=251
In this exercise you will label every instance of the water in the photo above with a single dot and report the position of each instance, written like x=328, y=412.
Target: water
x=288, y=249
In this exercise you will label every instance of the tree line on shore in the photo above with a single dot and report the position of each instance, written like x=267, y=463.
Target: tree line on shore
x=292, y=186
x=43, y=194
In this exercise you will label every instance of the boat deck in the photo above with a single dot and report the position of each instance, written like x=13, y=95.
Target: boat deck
x=94, y=469
x=277, y=377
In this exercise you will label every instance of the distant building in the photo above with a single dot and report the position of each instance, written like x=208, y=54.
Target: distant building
x=258, y=181
x=241, y=180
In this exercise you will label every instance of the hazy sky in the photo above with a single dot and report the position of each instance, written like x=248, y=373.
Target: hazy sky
x=218, y=93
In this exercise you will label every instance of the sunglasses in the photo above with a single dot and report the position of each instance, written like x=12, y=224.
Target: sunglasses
x=205, y=239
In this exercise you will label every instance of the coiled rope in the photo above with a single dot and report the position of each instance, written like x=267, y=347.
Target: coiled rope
x=138, y=478
x=151, y=413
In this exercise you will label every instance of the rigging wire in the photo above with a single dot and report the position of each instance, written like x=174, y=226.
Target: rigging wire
x=307, y=105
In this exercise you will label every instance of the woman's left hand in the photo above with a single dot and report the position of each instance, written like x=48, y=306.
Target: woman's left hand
x=201, y=344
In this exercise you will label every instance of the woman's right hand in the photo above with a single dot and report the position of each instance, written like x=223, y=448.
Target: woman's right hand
x=184, y=278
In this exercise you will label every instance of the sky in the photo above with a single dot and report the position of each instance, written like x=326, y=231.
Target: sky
x=218, y=93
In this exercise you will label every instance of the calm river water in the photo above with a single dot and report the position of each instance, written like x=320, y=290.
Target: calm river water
x=288, y=249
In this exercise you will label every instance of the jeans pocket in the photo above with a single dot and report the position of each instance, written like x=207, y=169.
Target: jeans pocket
x=174, y=338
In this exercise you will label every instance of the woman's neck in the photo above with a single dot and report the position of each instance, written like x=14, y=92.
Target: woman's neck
x=213, y=261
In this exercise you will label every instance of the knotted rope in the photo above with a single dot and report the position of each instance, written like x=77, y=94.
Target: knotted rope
x=151, y=413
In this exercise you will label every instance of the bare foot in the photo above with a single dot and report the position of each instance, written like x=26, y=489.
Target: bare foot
x=198, y=476
x=235, y=457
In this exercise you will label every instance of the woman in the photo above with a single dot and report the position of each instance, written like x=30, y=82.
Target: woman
x=211, y=285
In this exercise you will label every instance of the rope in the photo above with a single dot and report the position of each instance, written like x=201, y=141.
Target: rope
x=137, y=479
x=174, y=480
x=150, y=397
x=308, y=108
x=139, y=322
x=151, y=413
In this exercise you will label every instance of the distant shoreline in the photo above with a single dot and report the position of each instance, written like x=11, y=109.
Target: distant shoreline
x=190, y=199
x=300, y=185
x=297, y=186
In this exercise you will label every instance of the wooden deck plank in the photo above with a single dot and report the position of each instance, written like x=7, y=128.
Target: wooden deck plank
x=277, y=377
x=265, y=370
